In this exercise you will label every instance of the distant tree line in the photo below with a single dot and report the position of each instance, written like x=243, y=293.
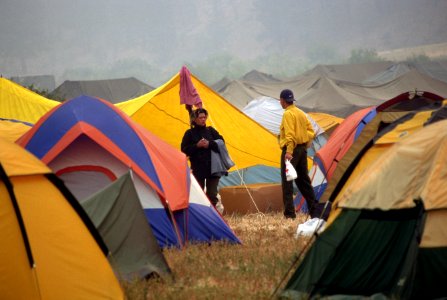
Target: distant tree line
x=364, y=56
x=45, y=93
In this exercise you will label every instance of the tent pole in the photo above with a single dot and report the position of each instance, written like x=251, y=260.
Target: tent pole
x=9, y=187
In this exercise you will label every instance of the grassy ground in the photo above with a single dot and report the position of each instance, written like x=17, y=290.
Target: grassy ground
x=222, y=271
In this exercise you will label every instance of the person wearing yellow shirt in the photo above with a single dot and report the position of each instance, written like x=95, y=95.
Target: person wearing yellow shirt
x=295, y=134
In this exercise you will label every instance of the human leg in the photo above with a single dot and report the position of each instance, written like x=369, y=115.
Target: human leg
x=201, y=182
x=211, y=189
x=287, y=191
x=303, y=181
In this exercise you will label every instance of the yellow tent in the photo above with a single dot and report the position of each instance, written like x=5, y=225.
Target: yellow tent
x=11, y=130
x=160, y=112
x=326, y=121
x=21, y=104
x=376, y=151
x=48, y=247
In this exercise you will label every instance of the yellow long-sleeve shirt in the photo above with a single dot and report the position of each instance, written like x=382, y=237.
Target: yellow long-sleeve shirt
x=295, y=128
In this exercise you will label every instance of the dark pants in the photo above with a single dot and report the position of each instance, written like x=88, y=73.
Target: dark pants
x=299, y=162
x=211, y=184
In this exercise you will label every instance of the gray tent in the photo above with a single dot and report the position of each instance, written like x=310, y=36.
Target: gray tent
x=112, y=90
x=221, y=84
x=119, y=217
x=252, y=76
x=349, y=72
x=316, y=90
x=327, y=90
x=435, y=69
x=256, y=76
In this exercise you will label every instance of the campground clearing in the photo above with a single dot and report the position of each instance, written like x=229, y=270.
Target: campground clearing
x=224, y=271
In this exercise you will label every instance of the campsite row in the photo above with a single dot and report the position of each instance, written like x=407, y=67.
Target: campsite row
x=98, y=165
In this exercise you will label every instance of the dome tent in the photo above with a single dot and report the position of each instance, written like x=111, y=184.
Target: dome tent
x=89, y=143
x=50, y=249
x=389, y=236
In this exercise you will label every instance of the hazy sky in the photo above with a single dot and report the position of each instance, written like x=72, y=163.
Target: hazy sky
x=60, y=37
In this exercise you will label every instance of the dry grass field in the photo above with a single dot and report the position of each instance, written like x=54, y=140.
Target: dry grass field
x=251, y=270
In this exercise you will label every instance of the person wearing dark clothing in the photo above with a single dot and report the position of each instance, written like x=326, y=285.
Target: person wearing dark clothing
x=295, y=134
x=197, y=144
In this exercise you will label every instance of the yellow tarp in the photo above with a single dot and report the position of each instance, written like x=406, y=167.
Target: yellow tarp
x=160, y=112
x=19, y=103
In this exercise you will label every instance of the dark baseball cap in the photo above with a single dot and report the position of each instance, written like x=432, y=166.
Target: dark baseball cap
x=287, y=95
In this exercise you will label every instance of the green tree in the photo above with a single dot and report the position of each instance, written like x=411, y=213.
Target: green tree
x=45, y=93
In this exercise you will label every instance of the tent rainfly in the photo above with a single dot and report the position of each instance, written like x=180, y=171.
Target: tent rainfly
x=119, y=217
x=50, y=249
x=90, y=143
x=389, y=240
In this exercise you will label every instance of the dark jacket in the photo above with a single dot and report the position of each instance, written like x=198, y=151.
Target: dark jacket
x=200, y=158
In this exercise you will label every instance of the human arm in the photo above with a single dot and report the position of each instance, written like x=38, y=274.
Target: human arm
x=289, y=139
x=189, y=146
x=310, y=133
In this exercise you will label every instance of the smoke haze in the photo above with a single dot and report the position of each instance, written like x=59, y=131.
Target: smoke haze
x=151, y=40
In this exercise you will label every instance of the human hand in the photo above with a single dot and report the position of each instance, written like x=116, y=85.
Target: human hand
x=203, y=143
x=288, y=156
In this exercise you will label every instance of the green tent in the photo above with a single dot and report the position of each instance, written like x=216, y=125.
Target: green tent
x=390, y=238
x=119, y=217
